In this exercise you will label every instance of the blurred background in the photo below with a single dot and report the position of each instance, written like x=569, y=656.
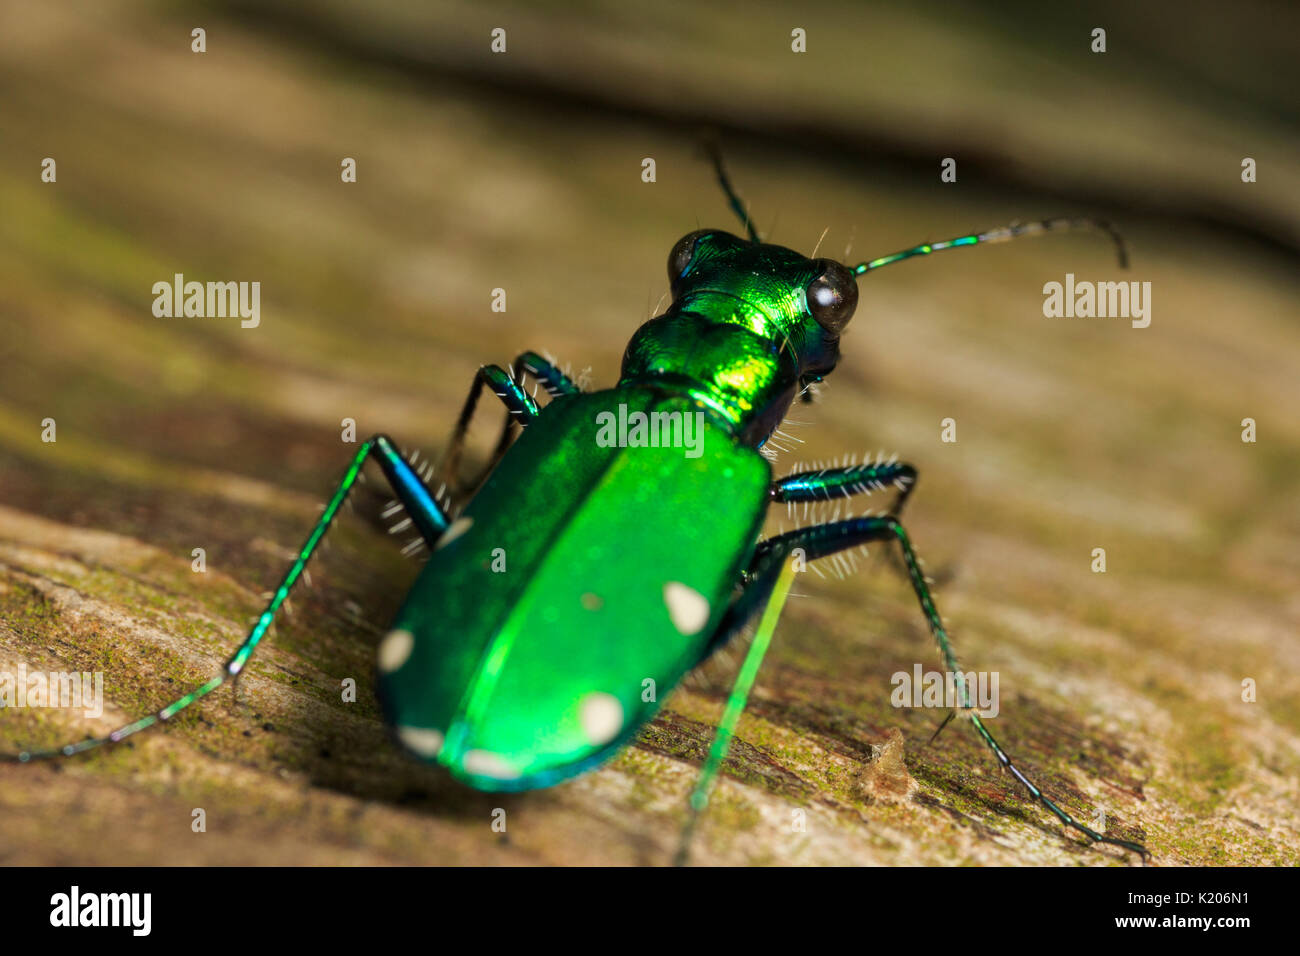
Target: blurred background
x=1121, y=692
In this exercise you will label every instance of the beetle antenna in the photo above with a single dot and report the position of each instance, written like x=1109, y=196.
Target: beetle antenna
x=715, y=154
x=1003, y=234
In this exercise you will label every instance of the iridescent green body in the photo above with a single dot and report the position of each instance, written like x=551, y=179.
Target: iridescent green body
x=584, y=580
x=520, y=676
x=738, y=337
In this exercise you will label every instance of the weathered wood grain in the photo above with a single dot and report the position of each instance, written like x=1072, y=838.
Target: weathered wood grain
x=1120, y=691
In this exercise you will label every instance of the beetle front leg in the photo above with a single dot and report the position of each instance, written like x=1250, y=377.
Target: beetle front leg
x=519, y=405
x=545, y=371
x=555, y=382
x=828, y=483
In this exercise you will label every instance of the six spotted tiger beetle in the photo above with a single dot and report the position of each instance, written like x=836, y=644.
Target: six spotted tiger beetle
x=619, y=570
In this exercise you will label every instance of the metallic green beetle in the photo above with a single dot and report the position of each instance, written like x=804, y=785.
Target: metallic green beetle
x=614, y=546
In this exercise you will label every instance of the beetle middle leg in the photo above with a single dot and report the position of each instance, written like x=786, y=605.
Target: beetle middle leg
x=425, y=514
x=772, y=556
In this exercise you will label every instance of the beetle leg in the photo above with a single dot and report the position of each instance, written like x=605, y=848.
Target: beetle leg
x=553, y=380
x=519, y=405
x=778, y=590
x=820, y=541
x=425, y=514
x=828, y=483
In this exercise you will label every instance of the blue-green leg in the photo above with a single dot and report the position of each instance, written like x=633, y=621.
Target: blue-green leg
x=553, y=380
x=425, y=514
x=821, y=541
x=822, y=485
x=828, y=483
x=520, y=408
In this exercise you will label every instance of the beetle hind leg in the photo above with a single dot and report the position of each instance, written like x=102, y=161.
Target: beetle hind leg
x=426, y=515
x=772, y=556
x=776, y=584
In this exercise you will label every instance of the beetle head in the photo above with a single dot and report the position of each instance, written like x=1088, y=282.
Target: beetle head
x=797, y=303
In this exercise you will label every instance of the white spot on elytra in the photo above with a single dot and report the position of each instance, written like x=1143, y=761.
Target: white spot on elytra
x=454, y=531
x=688, y=608
x=484, y=763
x=394, y=650
x=422, y=740
x=601, y=715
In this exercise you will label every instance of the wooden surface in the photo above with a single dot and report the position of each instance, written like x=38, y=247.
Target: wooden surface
x=1119, y=691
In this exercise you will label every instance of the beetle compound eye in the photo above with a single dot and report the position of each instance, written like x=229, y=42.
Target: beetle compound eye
x=833, y=296
x=682, y=254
